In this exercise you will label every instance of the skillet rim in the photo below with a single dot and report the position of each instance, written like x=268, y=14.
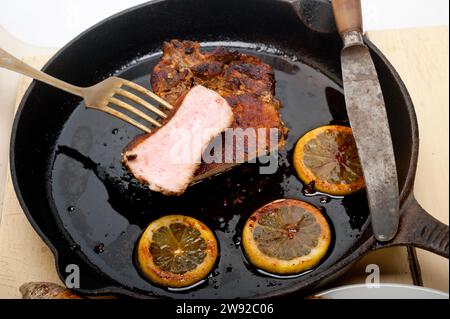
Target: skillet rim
x=406, y=191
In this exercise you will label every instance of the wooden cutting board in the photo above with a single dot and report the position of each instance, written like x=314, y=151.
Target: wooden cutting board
x=420, y=56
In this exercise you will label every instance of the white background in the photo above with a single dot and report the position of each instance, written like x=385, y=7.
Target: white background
x=55, y=22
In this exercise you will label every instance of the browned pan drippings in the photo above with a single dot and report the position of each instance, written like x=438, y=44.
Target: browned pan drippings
x=101, y=205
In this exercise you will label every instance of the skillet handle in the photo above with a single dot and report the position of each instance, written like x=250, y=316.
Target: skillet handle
x=420, y=229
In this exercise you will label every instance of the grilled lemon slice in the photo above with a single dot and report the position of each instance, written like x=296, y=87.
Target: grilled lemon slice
x=286, y=237
x=328, y=157
x=177, y=251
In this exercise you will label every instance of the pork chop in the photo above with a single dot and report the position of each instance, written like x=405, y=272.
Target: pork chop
x=244, y=81
x=168, y=158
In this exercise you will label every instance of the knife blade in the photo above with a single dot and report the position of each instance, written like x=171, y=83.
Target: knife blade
x=368, y=119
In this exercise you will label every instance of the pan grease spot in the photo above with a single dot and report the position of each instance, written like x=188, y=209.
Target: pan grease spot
x=99, y=249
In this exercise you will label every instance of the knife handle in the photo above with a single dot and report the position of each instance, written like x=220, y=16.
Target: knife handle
x=348, y=15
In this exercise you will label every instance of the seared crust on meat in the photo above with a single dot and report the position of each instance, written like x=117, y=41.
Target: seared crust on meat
x=230, y=73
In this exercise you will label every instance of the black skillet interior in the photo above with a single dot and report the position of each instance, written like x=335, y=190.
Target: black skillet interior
x=66, y=159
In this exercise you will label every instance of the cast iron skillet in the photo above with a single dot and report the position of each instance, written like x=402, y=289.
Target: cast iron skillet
x=65, y=160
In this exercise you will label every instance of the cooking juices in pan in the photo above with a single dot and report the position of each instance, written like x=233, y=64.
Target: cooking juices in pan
x=104, y=210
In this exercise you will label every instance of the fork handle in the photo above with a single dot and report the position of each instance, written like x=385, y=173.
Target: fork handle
x=10, y=62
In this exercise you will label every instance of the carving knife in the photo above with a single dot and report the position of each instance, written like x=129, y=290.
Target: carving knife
x=368, y=119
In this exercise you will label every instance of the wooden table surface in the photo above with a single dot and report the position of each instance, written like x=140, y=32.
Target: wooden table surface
x=421, y=58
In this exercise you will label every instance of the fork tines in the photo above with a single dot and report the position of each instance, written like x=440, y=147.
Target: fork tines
x=120, y=91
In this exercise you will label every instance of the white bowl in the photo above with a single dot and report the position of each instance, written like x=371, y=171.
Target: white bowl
x=383, y=291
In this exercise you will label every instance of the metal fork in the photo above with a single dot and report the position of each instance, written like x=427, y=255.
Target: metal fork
x=100, y=96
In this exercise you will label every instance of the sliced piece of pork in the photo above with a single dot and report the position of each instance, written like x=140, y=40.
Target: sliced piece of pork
x=168, y=158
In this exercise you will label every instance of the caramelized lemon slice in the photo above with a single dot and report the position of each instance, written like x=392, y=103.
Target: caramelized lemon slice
x=286, y=237
x=328, y=157
x=177, y=251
